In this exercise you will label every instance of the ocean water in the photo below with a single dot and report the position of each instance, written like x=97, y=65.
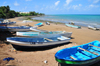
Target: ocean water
x=78, y=19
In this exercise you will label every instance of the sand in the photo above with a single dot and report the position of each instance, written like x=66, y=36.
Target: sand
x=37, y=57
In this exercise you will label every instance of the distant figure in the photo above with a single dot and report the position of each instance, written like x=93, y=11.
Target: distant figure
x=47, y=23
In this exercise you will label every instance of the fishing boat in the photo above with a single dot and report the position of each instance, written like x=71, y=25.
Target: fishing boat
x=85, y=54
x=37, y=42
x=45, y=34
x=39, y=30
x=74, y=26
x=91, y=27
x=39, y=24
x=16, y=28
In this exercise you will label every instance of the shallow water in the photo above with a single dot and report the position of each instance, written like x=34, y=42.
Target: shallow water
x=78, y=19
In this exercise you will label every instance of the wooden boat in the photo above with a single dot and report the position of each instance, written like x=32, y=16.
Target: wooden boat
x=39, y=24
x=37, y=42
x=91, y=27
x=69, y=25
x=16, y=28
x=45, y=34
x=85, y=54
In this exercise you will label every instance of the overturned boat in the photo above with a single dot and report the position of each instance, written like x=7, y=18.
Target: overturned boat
x=82, y=55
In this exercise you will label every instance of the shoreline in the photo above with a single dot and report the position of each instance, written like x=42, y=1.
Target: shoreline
x=37, y=57
x=78, y=23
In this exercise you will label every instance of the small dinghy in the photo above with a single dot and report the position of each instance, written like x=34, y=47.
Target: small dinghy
x=44, y=34
x=37, y=42
x=69, y=25
x=91, y=27
x=85, y=54
x=16, y=28
x=39, y=24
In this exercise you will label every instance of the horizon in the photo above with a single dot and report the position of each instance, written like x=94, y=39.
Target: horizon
x=55, y=6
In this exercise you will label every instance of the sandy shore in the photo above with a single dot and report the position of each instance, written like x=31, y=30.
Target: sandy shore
x=37, y=58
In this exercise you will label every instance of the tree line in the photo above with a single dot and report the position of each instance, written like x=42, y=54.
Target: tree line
x=5, y=12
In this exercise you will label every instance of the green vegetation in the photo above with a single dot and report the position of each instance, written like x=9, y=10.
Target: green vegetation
x=5, y=12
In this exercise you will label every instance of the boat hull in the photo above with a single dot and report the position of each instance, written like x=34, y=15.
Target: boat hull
x=78, y=63
x=37, y=44
x=69, y=25
x=39, y=35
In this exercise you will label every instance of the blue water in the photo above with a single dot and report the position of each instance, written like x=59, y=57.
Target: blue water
x=78, y=19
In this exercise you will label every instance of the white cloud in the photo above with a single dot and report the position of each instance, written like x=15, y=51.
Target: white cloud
x=56, y=3
x=96, y=1
x=28, y=0
x=68, y=2
x=93, y=6
x=16, y=4
x=5, y=2
x=75, y=6
x=80, y=4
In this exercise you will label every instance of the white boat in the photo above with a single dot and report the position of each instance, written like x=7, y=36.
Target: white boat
x=37, y=42
x=45, y=34
x=16, y=28
x=91, y=27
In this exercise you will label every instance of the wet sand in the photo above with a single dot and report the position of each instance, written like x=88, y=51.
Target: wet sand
x=38, y=56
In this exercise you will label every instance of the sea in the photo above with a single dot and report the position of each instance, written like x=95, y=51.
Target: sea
x=78, y=19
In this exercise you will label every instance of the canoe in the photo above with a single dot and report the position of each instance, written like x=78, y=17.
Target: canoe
x=85, y=54
x=45, y=34
x=39, y=24
x=91, y=27
x=16, y=28
x=37, y=42
x=69, y=25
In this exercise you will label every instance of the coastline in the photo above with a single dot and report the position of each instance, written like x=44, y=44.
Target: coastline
x=37, y=58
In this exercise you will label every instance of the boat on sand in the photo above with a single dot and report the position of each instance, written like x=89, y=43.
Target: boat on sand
x=37, y=42
x=44, y=34
x=86, y=54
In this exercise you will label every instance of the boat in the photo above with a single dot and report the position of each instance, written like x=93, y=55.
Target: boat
x=47, y=23
x=39, y=24
x=45, y=34
x=85, y=54
x=39, y=30
x=8, y=22
x=37, y=42
x=16, y=28
x=3, y=24
x=91, y=27
x=74, y=26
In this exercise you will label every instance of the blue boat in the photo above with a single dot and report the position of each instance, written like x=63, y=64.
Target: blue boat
x=74, y=26
x=16, y=28
x=85, y=54
x=37, y=42
x=39, y=24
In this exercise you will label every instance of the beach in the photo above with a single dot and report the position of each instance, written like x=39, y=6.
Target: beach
x=37, y=57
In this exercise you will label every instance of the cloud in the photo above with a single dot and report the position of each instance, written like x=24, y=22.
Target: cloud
x=16, y=4
x=96, y=1
x=5, y=2
x=56, y=3
x=68, y=2
x=93, y=6
x=80, y=4
x=28, y=0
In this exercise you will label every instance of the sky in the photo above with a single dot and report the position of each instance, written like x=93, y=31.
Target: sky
x=54, y=6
